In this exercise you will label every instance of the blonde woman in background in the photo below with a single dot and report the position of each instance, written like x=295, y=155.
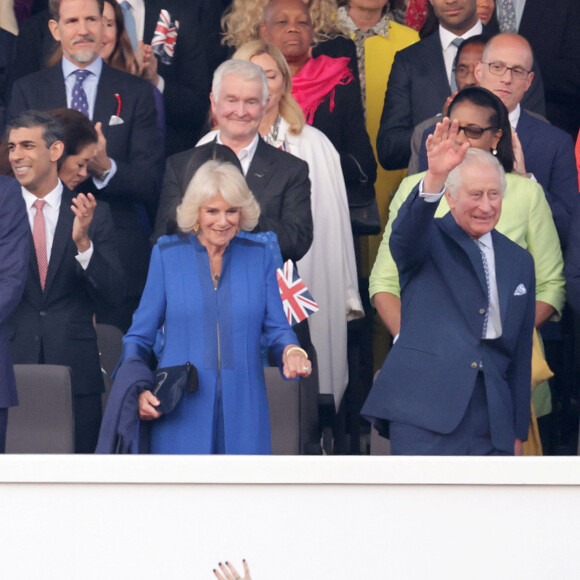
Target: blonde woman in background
x=328, y=268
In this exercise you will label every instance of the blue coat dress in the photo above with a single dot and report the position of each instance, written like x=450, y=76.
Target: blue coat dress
x=219, y=332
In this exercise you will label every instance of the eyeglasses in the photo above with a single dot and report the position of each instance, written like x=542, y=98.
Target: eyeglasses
x=463, y=70
x=475, y=131
x=498, y=69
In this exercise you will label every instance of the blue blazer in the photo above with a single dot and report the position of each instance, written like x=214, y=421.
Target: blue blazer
x=430, y=373
x=549, y=155
x=14, y=252
x=218, y=331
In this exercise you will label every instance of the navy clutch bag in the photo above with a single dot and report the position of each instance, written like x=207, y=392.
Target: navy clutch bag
x=172, y=382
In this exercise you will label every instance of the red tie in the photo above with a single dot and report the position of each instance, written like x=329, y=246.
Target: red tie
x=39, y=237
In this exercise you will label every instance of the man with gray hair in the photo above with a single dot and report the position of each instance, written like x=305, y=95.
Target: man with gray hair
x=457, y=380
x=278, y=180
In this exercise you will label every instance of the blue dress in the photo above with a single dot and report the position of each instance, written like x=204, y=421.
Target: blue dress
x=219, y=332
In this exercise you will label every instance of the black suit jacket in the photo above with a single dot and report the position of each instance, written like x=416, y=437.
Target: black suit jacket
x=278, y=180
x=56, y=326
x=135, y=145
x=417, y=90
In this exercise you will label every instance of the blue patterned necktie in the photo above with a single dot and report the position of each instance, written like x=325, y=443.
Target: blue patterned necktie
x=79, y=101
x=457, y=43
x=506, y=16
x=486, y=270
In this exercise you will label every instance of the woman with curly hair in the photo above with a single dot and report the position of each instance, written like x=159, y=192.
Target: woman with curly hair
x=326, y=91
x=241, y=24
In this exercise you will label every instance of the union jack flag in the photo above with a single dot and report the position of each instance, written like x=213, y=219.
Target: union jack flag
x=165, y=37
x=297, y=301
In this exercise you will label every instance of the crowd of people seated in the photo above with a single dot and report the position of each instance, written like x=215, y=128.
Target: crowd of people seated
x=163, y=160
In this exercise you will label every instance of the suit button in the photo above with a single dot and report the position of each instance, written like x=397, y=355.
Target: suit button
x=474, y=365
x=482, y=310
x=43, y=313
x=36, y=338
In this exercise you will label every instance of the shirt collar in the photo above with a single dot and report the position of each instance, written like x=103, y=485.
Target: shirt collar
x=447, y=37
x=381, y=28
x=68, y=67
x=53, y=199
x=514, y=117
x=486, y=240
x=247, y=151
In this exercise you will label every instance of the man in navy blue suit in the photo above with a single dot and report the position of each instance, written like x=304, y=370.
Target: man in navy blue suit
x=457, y=380
x=14, y=235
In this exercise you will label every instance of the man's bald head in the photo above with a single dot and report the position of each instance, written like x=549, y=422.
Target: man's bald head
x=514, y=52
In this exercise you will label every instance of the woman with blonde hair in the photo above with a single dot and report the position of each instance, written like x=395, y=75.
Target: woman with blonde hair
x=328, y=268
x=216, y=296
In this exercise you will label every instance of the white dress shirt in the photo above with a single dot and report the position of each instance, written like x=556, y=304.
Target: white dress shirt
x=246, y=155
x=514, y=117
x=485, y=245
x=50, y=211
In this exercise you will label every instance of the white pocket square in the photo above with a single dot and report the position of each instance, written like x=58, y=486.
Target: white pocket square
x=114, y=120
x=520, y=290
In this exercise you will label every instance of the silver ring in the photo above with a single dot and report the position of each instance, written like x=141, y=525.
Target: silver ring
x=86, y=215
x=305, y=369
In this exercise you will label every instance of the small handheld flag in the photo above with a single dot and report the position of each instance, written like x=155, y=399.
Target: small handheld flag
x=165, y=37
x=296, y=299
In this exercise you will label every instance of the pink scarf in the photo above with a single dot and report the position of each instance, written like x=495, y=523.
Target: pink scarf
x=317, y=82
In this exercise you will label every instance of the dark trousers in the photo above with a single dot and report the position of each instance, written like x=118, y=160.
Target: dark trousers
x=471, y=437
x=3, y=427
x=88, y=416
